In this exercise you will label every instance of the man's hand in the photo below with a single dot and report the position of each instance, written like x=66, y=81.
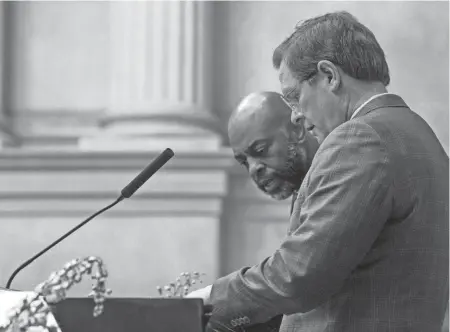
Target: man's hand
x=202, y=293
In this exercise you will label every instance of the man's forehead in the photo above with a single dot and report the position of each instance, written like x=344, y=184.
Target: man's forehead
x=260, y=116
x=287, y=81
x=282, y=71
x=280, y=75
x=244, y=134
x=251, y=130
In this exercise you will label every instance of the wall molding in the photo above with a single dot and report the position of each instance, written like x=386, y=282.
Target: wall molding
x=171, y=224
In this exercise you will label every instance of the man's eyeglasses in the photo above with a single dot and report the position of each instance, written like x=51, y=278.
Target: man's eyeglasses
x=290, y=99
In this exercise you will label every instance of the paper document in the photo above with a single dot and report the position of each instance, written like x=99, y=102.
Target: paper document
x=10, y=300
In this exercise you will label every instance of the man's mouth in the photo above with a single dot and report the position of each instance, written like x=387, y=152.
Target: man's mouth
x=269, y=184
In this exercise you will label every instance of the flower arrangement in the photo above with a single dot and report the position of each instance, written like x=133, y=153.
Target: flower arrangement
x=34, y=312
x=181, y=286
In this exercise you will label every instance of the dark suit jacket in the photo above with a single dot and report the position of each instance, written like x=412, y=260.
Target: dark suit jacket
x=367, y=247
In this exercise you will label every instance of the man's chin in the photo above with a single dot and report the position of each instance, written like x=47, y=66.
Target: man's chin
x=280, y=190
x=280, y=196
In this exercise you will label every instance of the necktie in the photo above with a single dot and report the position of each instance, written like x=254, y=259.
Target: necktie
x=294, y=197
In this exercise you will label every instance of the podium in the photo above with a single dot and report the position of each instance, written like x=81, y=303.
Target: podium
x=142, y=315
x=132, y=315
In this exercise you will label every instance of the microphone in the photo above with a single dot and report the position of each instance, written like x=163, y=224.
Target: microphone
x=151, y=169
x=126, y=192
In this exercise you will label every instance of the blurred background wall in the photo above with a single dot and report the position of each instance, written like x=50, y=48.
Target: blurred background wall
x=92, y=91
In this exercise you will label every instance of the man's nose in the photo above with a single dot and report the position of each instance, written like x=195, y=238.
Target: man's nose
x=297, y=117
x=256, y=169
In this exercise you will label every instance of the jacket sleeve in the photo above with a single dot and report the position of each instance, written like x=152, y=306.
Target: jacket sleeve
x=347, y=198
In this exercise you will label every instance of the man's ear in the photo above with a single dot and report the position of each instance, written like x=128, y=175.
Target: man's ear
x=298, y=131
x=331, y=72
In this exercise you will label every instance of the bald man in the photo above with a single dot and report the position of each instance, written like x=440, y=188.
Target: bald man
x=276, y=153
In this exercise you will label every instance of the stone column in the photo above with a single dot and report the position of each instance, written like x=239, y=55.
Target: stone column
x=3, y=125
x=159, y=98
x=160, y=78
x=2, y=58
x=7, y=135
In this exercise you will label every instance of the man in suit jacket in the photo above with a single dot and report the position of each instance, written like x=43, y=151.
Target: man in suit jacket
x=367, y=248
x=276, y=153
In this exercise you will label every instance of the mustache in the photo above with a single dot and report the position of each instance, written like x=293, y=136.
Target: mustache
x=292, y=171
x=286, y=173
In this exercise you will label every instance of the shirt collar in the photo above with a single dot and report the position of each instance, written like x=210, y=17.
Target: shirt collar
x=368, y=101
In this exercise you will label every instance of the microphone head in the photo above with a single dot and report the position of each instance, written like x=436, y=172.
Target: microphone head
x=168, y=152
x=151, y=169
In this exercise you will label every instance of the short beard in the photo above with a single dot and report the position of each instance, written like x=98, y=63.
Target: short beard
x=291, y=174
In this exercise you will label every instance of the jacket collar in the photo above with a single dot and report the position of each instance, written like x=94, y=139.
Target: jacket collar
x=382, y=101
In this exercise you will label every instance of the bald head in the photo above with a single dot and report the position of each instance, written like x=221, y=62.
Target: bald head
x=276, y=153
x=266, y=101
x=259, y=113
x=261, y=110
